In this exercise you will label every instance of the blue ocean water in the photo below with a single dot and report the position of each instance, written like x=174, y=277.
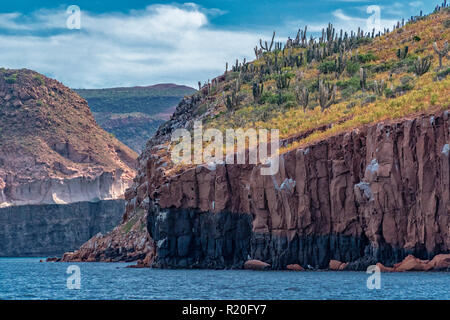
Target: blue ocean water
x=27, y=278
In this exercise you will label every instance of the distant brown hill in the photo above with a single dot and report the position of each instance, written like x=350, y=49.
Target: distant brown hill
x=133, y=114
x=51, y=148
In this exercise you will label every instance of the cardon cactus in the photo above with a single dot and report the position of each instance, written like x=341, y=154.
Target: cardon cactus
x=283, y=81
x=327, y=94
x=441, y=53
x=379, y=87
x=363, y=78
x=402, y=54
x=421, y=66
x=257, y=91
x=267, y=47
x=302, y=96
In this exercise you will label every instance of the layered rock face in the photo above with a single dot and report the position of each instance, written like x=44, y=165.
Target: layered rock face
x=375, y=194
x=51, y=149
x=56, y=164
x=45, y=230
x=130, y=241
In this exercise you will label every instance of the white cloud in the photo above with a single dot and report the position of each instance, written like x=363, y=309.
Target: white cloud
x=163, y=43
x=343, y=21
x=416, y=4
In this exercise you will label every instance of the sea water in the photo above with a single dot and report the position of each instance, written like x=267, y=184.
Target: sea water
x=27, y=278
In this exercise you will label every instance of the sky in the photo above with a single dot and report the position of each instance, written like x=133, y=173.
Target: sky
x=139, y=43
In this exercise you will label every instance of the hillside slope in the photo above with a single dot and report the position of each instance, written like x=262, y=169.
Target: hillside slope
x=364, y=174
x=134, y=114
x=51, y=148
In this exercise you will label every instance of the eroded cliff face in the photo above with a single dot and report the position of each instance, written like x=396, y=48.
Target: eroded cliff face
x=130, y=241
x=375, y=194
x=45, y=230
x=104, y=186
x=51, y=149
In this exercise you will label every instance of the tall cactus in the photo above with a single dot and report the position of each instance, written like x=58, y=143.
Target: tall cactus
x=302, y=96
x=340, y=62
x=441, y=53
x=257, y=91
x=402, y=54
x=421, y=66
x=232, y=101
x=283, y=81
x=363, y=78
x=327, y=94
x=267, y=47
x=379, y=88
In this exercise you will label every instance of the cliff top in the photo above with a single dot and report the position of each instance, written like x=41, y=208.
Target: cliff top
x=328, y=85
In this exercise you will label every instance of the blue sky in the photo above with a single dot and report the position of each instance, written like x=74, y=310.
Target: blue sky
x=135, y=42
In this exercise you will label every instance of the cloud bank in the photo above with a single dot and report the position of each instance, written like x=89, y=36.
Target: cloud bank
x=162, y=43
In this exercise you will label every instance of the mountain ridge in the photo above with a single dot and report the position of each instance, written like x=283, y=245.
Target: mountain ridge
x=133, y=114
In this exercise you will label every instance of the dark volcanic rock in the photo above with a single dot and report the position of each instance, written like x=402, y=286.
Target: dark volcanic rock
x=188, y=238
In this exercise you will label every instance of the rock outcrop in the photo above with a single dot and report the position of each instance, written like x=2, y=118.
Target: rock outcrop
x=52, y=229
x=374, y=194
x=128, y=241
x=294, y=267
x=441, y=262
x=256, y=265
x=121, y=244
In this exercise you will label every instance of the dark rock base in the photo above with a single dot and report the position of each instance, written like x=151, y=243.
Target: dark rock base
x=192, y=239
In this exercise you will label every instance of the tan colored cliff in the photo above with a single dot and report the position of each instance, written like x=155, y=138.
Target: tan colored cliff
x=51, y=148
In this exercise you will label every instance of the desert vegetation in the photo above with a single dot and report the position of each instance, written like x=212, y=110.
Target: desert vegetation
x=340, y=80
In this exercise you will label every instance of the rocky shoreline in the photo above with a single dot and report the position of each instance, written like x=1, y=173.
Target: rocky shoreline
x=373, y=195
x=376, y=194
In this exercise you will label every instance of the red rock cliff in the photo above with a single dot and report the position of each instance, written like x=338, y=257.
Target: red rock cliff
x=375, y=194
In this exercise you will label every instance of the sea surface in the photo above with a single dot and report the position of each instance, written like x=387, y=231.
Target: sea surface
x=27, y=278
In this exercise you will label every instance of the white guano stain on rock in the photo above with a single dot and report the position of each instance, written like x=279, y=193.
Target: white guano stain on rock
x=373, y=166
x=446, y=149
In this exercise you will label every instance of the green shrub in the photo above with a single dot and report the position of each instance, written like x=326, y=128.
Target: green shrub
x=38, y=78
x=447, y=23
x=363, y=41
x=382, y=67
x=327, y=67
x=352, y=68
x=364, y=58
x=350, y=83
x=407, y=82
x=11, y=79
x=443, y=74
x=278, y=98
